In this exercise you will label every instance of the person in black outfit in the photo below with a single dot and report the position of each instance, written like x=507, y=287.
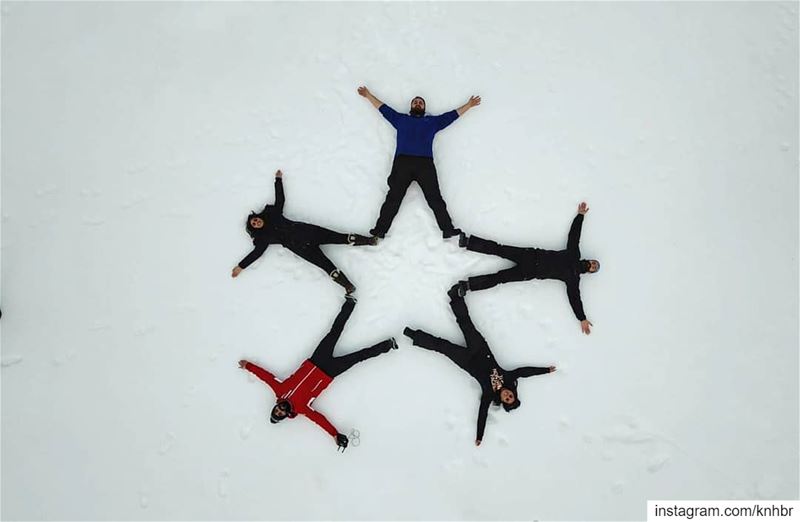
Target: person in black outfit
x=270, y=226
x=536, y=263
x=498, y=385
x=413, y=160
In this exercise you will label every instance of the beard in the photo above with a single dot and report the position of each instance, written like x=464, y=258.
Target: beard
x=417, y=112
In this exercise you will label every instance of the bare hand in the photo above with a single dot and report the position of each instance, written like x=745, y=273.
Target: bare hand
x=478, y=442
x=552, y=369
x=363, y=91
x=242, y=364
x=236, y=271
x=279, y=174
x=583, y=208
x=585, y=326
x=474, y=100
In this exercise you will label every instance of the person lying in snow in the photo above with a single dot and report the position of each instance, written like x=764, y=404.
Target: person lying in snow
x=536, y=263
x=270, y=226
x=498, y=385
x=295, y=395
x=413, y=159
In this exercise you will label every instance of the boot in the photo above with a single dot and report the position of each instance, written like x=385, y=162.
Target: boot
x=359, y=240
x=340, y=279
x=450, y=233
x=458, y=290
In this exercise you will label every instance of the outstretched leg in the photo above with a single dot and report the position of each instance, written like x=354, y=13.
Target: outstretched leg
x=339, y=365
x=457, y=354
x=399, y=180
x=324, y=351
x=472, y=336
x=487, y=246
x=314, y=255
x=429, y=183
x=509, y=275
x=318, y=235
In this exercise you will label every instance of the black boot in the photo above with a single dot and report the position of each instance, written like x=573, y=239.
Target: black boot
x=377, y=233
x=450, y=233
x=458, y=290
x=463, y=240
x=408, y=332
x=340, y=279
x=359, y=240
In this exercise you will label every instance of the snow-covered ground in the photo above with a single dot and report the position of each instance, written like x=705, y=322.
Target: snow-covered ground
x=136, y=137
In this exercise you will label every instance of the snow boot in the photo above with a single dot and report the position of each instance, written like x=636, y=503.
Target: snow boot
x=340, y=279
x=359, y=240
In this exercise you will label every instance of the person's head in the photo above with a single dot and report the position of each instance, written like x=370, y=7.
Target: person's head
x=254, y=223
x=509, y=399
x=280, y=411
x=418, y=106
x=589, y=265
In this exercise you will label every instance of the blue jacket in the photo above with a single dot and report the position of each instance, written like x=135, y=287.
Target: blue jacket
x=415, y=134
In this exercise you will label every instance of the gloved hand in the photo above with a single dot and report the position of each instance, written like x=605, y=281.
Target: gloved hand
x=341, y=441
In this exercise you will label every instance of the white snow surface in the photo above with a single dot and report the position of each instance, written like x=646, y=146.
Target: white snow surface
x=137, y=137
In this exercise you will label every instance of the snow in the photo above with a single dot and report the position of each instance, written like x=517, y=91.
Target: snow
x=137, y=137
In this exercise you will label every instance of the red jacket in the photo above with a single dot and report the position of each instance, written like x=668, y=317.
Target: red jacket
x=300, y=389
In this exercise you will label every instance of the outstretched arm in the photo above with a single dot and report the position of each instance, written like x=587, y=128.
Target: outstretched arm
x=257, y=252
x=320, y=420
x=473, y=101
x=529, y=371
x=262, y=374
x=280, y=198
x=574, y=296
x=483, y=412
x=574, y=236
x=391, y=115
x=363, y=91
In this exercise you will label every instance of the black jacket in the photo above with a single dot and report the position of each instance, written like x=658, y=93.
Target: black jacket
x=277, y=229
x=564, y=265
x=483, y=367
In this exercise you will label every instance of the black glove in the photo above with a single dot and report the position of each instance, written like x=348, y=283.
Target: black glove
x=341, y=441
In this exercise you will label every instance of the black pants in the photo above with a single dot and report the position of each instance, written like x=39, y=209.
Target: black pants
x=323, y=355
x=523, y=270
x=405, y=170
x=458, y=354
x=307, y=239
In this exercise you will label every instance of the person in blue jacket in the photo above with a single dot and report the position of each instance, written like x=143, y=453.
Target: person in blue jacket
x=413, y=160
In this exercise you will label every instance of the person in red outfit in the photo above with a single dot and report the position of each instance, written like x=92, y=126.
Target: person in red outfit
x=295, y=394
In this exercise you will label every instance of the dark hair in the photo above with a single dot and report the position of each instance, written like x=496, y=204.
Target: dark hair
x=283, y=405
x=421, y=98
x=512, y=387
x=250, y=229
x=514, y=405
x=583, y=265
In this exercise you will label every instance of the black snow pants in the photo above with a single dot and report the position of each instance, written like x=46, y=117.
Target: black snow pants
x=405, y=170
x=306, y=240
x=524, y=270
x=470, y=358
x=323, y=355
